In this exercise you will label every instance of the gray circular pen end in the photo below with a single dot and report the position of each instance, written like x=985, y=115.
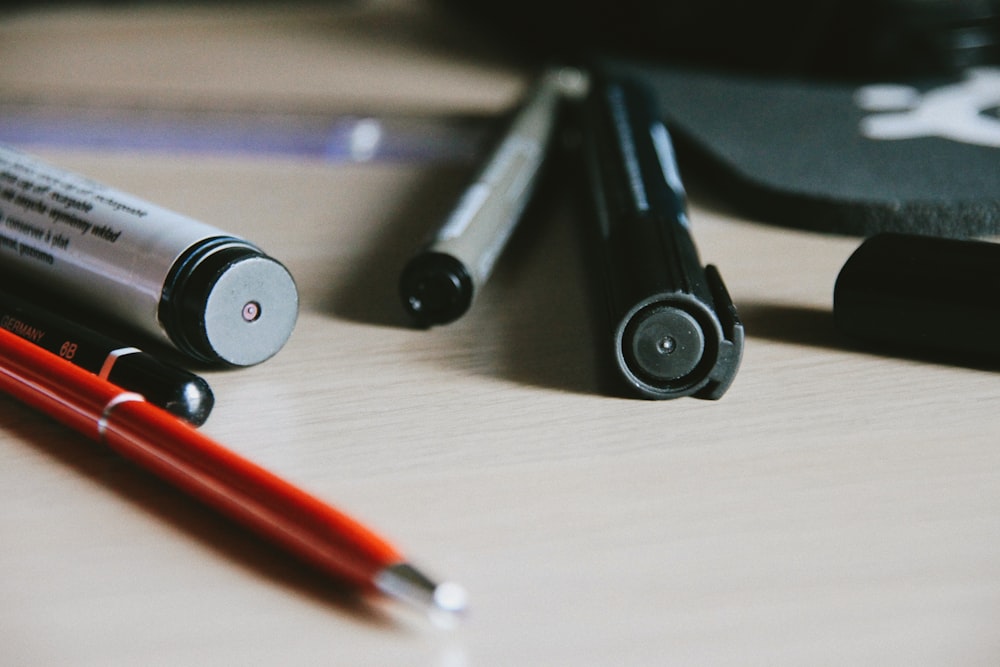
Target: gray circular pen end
x=668, y=347
x=665, y=344
x=227, y=302
x=250, y=311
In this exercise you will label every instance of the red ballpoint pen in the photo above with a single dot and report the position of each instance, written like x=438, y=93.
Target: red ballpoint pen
x=238, y=488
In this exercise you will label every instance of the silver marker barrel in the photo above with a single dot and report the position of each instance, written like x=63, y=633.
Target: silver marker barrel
x=216, y=297
x=439, y=284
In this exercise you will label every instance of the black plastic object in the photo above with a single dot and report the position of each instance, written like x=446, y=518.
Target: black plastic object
x=814, y=156
x=436, y=288
x=170, y=387
x=843, y=116
x=922, y=294
x=674, y=328
x=831, y=38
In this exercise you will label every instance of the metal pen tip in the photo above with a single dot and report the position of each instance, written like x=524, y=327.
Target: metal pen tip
x=405, y=582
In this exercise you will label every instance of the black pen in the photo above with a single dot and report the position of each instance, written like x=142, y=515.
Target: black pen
x=440, y=282
x=174, y=389
x=675, y=329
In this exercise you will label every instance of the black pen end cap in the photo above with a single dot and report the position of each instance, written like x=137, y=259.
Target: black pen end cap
x=172, y=388
x=674, y=344
x=666, y=343
x=435, y=288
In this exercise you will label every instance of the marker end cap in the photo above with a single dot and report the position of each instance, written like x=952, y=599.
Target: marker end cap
x=666, y=344
x=172, y=388
x=435, y=288
x=250, y=311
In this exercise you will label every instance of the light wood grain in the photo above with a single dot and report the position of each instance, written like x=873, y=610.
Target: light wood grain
x=835, y=507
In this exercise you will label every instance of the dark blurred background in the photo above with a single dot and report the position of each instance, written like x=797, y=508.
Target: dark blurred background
x=839, y=39
x=818, y=38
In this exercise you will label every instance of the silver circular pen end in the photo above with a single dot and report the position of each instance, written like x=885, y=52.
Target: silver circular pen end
x=405, y=582
x=451, y=597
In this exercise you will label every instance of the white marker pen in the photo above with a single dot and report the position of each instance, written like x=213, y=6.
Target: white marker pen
x=216, y=297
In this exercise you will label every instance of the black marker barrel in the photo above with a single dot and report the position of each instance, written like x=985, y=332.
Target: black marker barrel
x=174, y=389
x=216, y=297
x=675, y=330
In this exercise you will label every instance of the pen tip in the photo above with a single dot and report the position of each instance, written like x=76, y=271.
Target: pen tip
x=405, y=582
x=451, y=597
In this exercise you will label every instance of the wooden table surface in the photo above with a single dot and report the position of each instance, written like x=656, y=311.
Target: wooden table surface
x=835, y=507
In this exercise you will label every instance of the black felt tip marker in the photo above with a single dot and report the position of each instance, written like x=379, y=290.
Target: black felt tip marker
x=440, y=282
x=675, y=329
x=170, y=387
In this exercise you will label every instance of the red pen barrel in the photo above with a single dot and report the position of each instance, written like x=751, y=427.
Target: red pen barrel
x=247, y=493
x=181, y=455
